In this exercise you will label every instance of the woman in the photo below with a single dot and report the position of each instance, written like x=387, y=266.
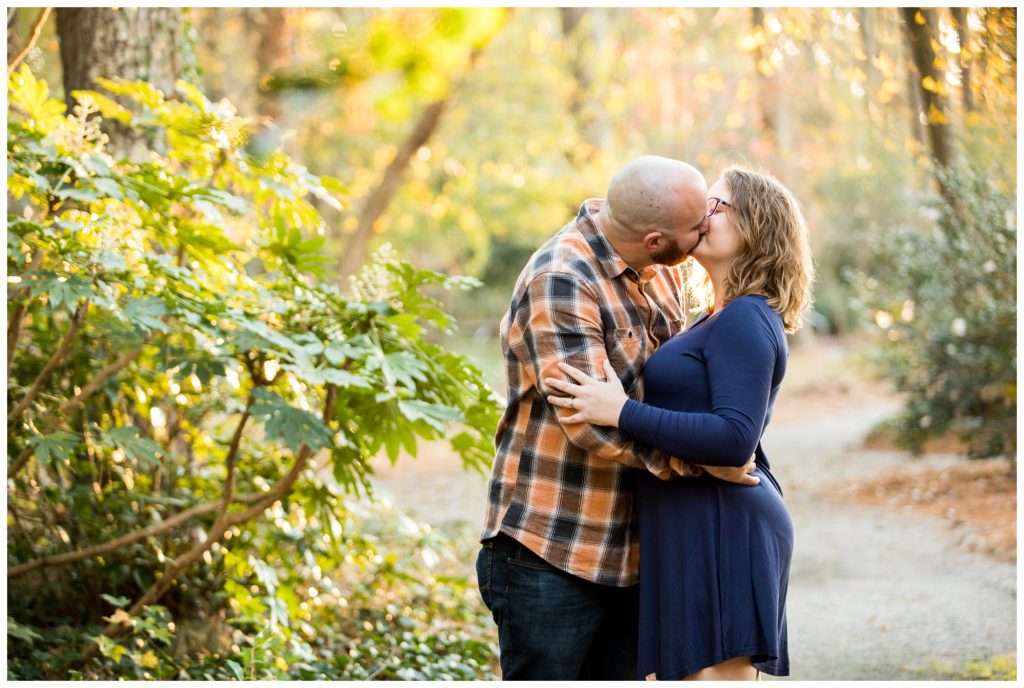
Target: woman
x=715, y=556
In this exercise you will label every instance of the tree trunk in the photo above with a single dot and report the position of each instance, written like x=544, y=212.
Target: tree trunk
x=357, y=247
x=914, y=105
x=865, y=19
x=271, y=54
x=964, y=59
x=583, y=31
x=129, y=43
x=765, y=81
x=921, y=29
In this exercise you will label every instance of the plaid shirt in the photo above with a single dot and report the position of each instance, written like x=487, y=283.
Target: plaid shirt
x=565, y=491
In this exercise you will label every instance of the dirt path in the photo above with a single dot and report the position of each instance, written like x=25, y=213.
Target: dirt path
x=874, y=593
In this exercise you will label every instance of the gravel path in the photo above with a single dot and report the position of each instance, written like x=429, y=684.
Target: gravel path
x=874, y=593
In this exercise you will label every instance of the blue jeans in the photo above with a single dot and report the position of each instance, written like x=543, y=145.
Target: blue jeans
x=553, y=625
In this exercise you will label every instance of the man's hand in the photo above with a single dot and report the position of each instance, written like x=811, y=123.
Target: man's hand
x=730, y=474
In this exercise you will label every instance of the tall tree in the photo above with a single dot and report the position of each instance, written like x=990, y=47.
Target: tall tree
x=921, y=26
x=583, y=31
x=963, y=57
x=129, y=43
x=271, y=54
x=762, y=64
x=357, y=246
x=866, y=24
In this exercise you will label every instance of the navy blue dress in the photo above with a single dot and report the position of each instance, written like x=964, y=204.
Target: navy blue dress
x=714, y=556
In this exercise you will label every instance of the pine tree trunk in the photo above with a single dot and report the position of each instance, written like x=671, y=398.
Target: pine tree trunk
x=129, y=43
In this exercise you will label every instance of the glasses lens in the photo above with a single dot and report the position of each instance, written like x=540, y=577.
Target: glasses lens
x=712, y=206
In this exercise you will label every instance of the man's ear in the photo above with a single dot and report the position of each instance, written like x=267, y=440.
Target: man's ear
x=652, y=240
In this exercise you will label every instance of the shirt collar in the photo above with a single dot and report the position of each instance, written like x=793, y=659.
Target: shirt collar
x=612, y=264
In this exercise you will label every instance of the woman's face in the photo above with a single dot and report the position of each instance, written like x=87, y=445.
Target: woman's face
x=721, y=240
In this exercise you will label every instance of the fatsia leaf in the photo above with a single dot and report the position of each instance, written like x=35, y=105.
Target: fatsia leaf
x=56, y=446
x=146, y=313
x=265, y=573
x=434, y=414
x=295, y=426
x=353, y=348
x=63, y=291
x=402, y=368
x=136, y=448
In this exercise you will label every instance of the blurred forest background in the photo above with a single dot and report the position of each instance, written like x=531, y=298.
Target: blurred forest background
x=206, y=347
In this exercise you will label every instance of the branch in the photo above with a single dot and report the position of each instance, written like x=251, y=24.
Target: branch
x=15, y=320
x=216, y=532
x=33, y=37
x=126, y=539
x=229, y=489
x=285, y=484
x=51, y=365
x=71, y=405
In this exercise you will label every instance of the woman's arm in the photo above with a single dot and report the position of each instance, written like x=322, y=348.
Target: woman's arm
x=740, y=354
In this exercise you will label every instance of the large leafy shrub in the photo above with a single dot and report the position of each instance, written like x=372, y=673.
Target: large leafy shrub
x=943, y=297
x=190, y=401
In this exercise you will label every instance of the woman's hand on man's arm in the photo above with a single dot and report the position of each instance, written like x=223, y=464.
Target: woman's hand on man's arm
x=731, y=474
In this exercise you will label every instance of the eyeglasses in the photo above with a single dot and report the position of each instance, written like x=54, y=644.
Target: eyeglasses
x=713, y=204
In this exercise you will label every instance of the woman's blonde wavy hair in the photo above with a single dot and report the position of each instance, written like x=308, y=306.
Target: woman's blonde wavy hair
x=774, y=254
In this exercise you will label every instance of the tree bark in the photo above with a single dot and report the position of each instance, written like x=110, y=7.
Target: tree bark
x=129, y=43
x=920, y=35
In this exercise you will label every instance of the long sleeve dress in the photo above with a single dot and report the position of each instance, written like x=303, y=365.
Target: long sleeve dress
x=714, y=556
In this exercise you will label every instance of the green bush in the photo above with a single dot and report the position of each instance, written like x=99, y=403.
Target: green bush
x=943, y=299
x=193, y=405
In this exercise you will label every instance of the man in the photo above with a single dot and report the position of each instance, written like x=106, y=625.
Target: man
x=558, y=566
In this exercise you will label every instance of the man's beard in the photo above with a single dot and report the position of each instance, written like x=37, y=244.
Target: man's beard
x=671, y=255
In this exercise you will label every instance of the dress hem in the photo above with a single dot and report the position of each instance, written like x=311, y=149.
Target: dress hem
x=718, y=659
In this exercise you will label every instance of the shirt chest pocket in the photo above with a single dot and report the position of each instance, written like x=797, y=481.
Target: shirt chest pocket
x=627, y=351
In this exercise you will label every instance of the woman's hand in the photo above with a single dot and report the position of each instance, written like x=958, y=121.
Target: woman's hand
x=595, y=401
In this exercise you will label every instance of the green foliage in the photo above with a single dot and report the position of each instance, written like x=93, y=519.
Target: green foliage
x=1001, y=668
x=945, y=301
x=200, y=276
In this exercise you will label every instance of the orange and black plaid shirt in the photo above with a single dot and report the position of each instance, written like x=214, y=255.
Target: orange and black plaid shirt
x=565, y=491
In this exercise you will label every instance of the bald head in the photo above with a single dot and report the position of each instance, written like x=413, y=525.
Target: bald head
x=655, y=194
